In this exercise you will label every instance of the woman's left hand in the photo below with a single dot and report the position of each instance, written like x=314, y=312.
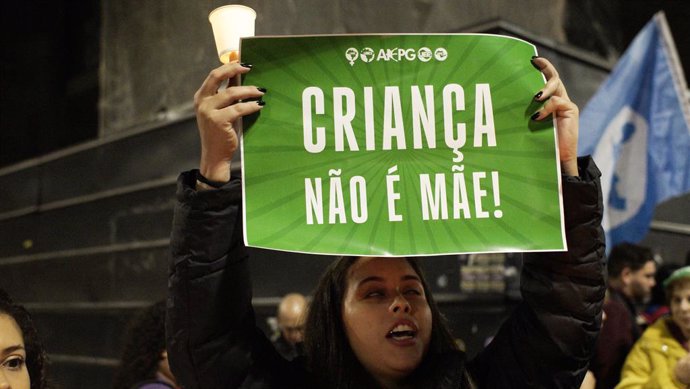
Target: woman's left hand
x=565, y=113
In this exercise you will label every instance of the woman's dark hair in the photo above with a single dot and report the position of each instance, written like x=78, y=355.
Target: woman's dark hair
x=330, y=358
x=36, y=360
x=143, y=345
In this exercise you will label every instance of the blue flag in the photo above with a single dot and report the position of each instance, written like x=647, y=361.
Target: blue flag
x=637, y=128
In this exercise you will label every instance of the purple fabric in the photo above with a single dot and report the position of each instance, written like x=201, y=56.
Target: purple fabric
x=152, y=385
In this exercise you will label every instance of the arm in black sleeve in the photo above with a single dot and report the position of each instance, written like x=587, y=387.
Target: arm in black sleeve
x=548, y=340
x=212, y=338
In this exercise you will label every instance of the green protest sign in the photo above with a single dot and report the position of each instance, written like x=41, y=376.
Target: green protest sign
x=398, y=145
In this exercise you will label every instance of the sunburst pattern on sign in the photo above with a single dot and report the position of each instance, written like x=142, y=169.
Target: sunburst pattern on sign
x=522, y=211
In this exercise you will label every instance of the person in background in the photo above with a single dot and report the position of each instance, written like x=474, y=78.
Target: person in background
x=22, y=356
x=660, y=359
x=631, y=270
x=292, y=313
x=144, y=361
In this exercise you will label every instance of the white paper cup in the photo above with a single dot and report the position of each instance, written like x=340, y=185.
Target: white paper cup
x=230, y=23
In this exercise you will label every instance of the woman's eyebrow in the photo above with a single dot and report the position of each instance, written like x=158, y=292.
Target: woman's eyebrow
x=370, y=279
x=410, y=277
x=407, y=277
x=12, y=349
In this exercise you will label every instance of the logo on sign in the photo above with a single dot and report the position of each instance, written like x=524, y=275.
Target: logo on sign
x=396, y=54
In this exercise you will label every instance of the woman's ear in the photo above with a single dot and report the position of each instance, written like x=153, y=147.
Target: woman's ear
x=626, y=276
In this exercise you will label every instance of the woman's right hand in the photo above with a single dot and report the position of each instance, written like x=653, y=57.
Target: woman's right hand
x=682, y=370
x=217, y=112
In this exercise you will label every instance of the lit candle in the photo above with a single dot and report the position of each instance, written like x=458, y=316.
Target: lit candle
x=230, y=23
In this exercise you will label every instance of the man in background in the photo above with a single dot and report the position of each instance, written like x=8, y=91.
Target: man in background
x=292, y=313
x=631, y=270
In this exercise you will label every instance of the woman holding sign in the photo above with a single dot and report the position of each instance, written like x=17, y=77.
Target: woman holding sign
x=373, y=321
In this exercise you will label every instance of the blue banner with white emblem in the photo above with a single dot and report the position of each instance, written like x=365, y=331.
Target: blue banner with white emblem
x=637, y=127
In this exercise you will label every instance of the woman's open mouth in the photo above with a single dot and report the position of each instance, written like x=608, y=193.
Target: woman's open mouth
x=402, y=332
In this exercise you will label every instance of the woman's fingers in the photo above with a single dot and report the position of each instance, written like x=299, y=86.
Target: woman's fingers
x=230, y=96
x=556, y=104
x=231, y=113
x=219, y=112
x=216, y=77
x=554, y=86
x=564, y=112
x=237, y=94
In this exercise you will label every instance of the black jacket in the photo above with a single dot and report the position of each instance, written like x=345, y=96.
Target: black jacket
x=213, y=341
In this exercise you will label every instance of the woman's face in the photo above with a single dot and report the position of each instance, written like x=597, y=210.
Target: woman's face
x=386, y=317
x=13, y=373
x=680, y=307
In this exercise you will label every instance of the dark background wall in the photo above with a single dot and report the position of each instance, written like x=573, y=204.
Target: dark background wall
x=96, y=122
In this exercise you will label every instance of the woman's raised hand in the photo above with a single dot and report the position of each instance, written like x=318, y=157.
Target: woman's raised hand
x=564, y=111
x=217, y=112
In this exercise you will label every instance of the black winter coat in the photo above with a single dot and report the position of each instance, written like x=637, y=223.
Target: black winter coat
x=213, y=341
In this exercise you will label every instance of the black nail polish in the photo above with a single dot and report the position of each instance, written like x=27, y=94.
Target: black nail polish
x=538, y=95
x=246, y=65
x=535, y=116
x=261, y=102
x=532, y=62
x=262, y=90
